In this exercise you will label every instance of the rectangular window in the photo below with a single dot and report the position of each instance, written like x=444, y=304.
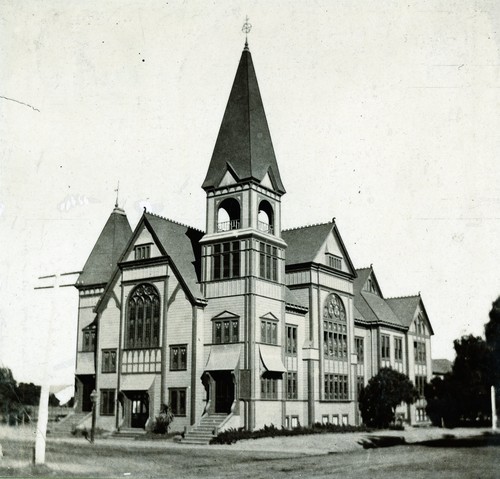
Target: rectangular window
x=177, y=400
x=226, y=260
x=268, y=386
x=291, y=340
x=291, y=385
x=269, y=332
x=345, y=419
x=359, y=345
x=334, y=340
x=325, y=419
x=335, y=419
x=178, y=358
x=420, y=385
x=385, y=347
x=107, y=402
x=142, y=251
x=398, y=349
x=268, y=262
x=360, y=384
x=109, y=361
x=226, y=331
x=89, y=336
x=334, y=262
x=336, y=387
x=295, y=422
x=419, y=349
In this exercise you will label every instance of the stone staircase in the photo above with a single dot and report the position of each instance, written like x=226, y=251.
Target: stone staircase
x=204, y=430
x=67, y=425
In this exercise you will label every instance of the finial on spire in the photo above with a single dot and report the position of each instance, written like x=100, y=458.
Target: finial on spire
x=117, y=190
x=247, y=27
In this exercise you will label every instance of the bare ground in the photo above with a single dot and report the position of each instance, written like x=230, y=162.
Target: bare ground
x=425, y=453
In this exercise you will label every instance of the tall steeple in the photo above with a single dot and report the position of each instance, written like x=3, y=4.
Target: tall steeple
x=244, y=146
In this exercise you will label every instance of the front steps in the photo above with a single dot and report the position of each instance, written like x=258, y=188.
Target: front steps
x=67, y=425
x=204, y=431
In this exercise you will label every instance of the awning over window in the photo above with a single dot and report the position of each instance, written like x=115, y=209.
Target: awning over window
x=136, y=382
x=271, y=358
x=223, y=357
x=85, y=363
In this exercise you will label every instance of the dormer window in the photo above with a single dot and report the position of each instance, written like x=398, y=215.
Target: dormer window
x=334, y=261
x=142, y=251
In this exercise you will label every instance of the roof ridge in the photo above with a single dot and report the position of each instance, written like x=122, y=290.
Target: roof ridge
x=173, y=221
x=307, y=226
x=364, y=267
x=404, y=297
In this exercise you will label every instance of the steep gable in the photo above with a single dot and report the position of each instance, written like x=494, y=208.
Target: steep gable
x=316, y=244
x=107, y=250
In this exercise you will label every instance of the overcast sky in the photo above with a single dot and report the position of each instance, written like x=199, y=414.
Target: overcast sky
x=385, y=115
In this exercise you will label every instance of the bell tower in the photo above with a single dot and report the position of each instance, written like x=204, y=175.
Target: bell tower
x=243, y=268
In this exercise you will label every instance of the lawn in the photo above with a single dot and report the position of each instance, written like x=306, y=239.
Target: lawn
x=453, y=458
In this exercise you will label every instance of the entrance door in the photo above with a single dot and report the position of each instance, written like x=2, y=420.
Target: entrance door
x=224, y=391
x=139, y=402
x=88, y=385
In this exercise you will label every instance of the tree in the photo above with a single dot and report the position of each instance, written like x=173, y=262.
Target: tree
x=383, y=393
x=8, y=399
x=492, y=333
x=463, y=396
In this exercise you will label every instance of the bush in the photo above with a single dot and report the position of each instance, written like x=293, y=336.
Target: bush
x=230, y=436
x=383, y=393
x=163, y=421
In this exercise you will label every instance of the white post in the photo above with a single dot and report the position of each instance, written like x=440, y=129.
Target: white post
x=41, y=426
x=43, y=408
x=493, y=409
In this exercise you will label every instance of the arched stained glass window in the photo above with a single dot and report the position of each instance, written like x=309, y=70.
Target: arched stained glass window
x=143, y=317
x=334, y=328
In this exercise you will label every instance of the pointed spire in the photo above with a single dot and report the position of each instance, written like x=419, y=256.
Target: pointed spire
x=247, y=27
x=244, y=140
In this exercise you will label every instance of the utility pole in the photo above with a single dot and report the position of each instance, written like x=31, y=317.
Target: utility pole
x=43, y=408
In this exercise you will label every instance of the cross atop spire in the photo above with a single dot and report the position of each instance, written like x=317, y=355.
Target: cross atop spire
x=247, y=27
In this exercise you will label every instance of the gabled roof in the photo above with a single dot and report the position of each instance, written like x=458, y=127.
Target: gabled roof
x=382, y=310
x=244, y=139
x=441, y=366
x=359, y=282
x=405, y=307
x=303, y=243
x=182, y=244
x=107, y=250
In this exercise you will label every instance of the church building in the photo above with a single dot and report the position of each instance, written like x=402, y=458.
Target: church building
x=242, y=325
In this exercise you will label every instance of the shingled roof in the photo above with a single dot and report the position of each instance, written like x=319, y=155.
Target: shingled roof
x=370, y=307
x=107, y=250
x=303, y=243
x=404, y=307
x=182, y=244
x=244, y=142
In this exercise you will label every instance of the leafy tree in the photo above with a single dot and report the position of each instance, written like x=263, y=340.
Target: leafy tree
x=8, y=399
x=383, y=393
x=463, y=396
x=492, y=332
x=28, y=393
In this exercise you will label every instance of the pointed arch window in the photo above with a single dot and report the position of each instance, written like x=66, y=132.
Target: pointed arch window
x=143, y=318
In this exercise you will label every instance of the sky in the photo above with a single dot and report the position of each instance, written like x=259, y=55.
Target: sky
x=384, y=115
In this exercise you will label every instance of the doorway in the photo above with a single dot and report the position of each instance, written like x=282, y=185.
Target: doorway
x=224, y=391
x=139, y=408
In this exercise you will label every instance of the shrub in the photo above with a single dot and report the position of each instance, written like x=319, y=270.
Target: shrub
x=163, y=421
x=230, y=436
